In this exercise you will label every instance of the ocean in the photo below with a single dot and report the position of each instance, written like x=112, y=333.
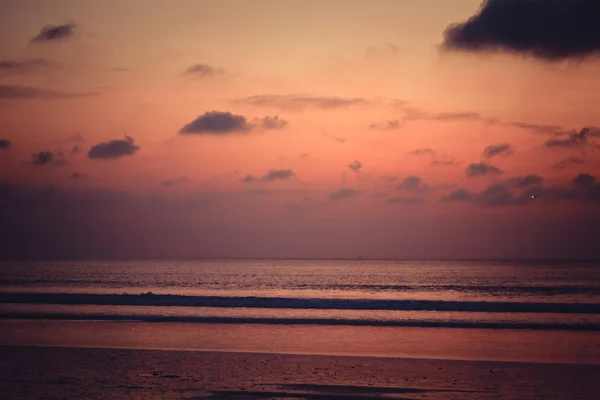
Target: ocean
x=483, y=310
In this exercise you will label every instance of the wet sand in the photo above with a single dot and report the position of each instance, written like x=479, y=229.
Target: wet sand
x=102, y=373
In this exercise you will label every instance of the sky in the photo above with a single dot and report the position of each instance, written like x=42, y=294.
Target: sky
x=276, y=128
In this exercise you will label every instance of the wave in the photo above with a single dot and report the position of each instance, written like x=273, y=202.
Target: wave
x=150, y=299
x=488, y=289
x=584, y=326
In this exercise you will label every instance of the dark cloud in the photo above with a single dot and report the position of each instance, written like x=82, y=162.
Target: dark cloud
x=584, y=188
x=47, y=158
x=5, y=144
x=175, y=181
x=28, y=92
x=250, y=178
x=459, y=195
x=114, y=149
x=481, y=169
x=411, y=182
x=562, y=164
x=546, y=29
x=298, y=102
x=575, y=140
x=217, y=123
x=271, y=175
x=278, y=174
x=355, y=165
x=386, y=126
x=406, y=200
x=584, y=180
x=503, y=149
x=343, y=194
x=203, y=70
x=42, y=158
x=521, y=182
x=497, y=194
x=77, y=175
x=272, y=123
x=422, y=151
x=51, y=33
x=12, y=67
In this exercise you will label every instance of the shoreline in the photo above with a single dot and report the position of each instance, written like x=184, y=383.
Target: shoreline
x=503, y=345
x=292, y=354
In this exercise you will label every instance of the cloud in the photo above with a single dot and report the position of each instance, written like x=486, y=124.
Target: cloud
x=175, y=181
x=538, y=128
x=414, y=114
x=406, y=200
x=203, y=70
x=459, y=195
x=28, y=92
x=521, y=182
x=343, y=194
x=575, y=140
x=11, y=67
x=278, y=174
x=411, y=182
x=47, y=158
x=272, y=123
x=584, y=180
x=355, y=165
x=422, y=151
x=300, y=102
x=497, y=194
x=77, y=175
x=5, y=144
x=75, y=137
x=522, y=27
x=386, y=126
x=114, y=149
x=481, y=169
x=445, y=163
x=217, y=123
x=567, y=162
x=456, y=116
x=51, y=33
x=250, y=178
x=503, y=149
x=584, y=187
x=270, y=176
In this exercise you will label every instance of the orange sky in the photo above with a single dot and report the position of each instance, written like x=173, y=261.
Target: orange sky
x=338, y=73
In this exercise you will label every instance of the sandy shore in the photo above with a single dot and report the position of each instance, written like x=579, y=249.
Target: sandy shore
x=93, y=373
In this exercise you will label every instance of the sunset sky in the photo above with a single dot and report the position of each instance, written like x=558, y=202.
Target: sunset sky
x=278, y=128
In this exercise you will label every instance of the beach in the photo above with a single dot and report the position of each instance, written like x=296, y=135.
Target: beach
x=48, y=359
x=95, y=373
